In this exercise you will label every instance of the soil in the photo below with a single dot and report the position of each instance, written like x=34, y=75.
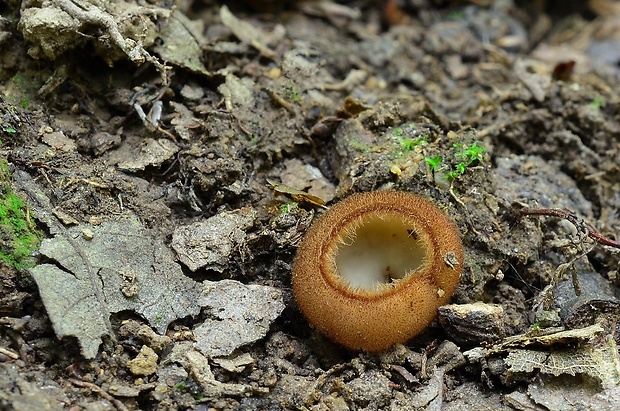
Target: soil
x=173, y=157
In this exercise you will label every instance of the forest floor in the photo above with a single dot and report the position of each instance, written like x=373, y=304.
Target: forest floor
x=154, y=158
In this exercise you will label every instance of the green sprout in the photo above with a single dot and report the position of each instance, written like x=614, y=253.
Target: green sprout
x=292, y=93
x=433, y=162
x=288, y=207
x=408, y=137
x=473, y=153
x=180, y=386
x=456, y=15
x=468, y=156
x=296, y=96
x=597, y=103
x=19, y=237
x=10, y=130
x=17, y=79
x=398, y=132
x=408, y=144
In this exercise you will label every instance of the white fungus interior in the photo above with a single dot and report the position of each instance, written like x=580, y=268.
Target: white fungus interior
x=378, y=250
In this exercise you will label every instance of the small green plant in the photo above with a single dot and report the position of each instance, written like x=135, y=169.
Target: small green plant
x=408, y=144
x=397, y=132
x=296, y=96
x=180, y=386
x=473, y=153
x=292, y=93
x=597, y=103
x=408, y=137
x=433, y=162
x=288, y=207
x=18, y=79
x=466, y=157
x=456, y=15
x=19, y=237
x=10, y=130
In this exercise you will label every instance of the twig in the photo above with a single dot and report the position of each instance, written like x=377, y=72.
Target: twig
x=9, y=353
x=577, y=221
x=97, y=389
x=583, y=226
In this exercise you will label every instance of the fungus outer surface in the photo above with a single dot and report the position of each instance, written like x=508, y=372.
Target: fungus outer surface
x=372, y=271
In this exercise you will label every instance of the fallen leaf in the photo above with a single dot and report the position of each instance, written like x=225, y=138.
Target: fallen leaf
x=181, y=43
x=245, y=32
x=126, y=265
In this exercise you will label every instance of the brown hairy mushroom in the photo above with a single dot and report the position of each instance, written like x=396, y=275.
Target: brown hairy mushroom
x=372, y=271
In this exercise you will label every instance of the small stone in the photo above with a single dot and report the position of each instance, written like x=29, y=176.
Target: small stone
x=87, y=234
x=145, y=362
x=472, y=323
x=235, y=364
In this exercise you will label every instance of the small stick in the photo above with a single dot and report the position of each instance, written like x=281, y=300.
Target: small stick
x=9, y=353
x=97, y=389
x=578, y=222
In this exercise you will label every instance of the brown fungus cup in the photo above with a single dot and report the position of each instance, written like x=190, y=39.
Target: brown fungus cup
x=372, y=271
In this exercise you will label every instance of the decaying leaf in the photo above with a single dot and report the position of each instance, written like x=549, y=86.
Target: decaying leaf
x=132, y=269
x=584, y=351
x=599, y=362
x=198, y=366
x=150, y=152
x=296, y=195
x=244, y=31
x=181, y=43
x=551, y=336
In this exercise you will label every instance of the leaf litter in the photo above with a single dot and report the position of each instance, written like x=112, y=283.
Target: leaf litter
x=117, y=266
x=517, y=110
x=125, y=265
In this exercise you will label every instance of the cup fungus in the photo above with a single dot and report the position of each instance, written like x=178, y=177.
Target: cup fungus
x=372, y=271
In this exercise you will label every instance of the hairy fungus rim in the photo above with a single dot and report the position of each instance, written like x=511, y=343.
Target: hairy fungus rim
x=331, y=248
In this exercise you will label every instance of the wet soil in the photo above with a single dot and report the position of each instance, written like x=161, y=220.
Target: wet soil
x=174, y=167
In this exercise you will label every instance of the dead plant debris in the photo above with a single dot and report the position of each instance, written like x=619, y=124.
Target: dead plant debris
x=141, y=135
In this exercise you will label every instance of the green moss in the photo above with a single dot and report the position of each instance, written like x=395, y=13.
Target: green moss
x=360, y=146
x=19, y=236
x=23, y=88
x=456, y=15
